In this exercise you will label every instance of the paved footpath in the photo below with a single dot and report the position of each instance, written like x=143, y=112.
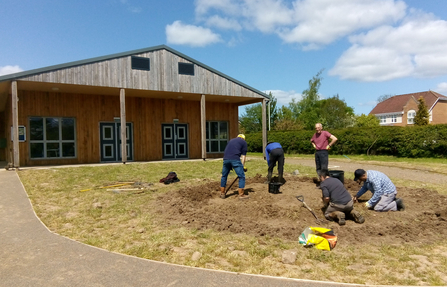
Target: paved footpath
x=31, y=255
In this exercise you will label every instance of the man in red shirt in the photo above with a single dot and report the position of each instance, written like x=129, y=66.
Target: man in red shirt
x=320, y=141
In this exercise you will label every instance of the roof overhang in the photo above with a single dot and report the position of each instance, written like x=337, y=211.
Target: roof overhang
x=5, y=91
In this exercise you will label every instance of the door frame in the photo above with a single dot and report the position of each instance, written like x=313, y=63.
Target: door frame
x=115, y=141
x=174, y=141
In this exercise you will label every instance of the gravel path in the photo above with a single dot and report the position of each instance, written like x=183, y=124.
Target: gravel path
x=423, y=176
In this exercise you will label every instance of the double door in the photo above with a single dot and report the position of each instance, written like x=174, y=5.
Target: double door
x=175, y=141
x=110, y=141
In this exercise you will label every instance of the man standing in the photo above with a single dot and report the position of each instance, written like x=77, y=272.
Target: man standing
x=320, y=141
x=383, y=190
x=234, y=158
x=274, y=154
x=337, y=200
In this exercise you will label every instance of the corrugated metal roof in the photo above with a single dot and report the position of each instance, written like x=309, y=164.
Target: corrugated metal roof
x=17, y=76
x=396, y=103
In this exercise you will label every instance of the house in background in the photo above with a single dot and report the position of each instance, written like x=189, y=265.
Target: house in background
x=400, y=110
x=159, y=102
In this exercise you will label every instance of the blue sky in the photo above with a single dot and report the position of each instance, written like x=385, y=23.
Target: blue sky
x=366, y=48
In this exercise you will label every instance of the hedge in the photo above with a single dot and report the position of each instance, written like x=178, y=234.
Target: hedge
x=414, y=141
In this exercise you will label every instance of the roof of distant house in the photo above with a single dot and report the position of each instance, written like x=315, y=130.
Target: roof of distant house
x=396, y=103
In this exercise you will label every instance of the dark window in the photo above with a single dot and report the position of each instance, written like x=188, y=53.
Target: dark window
x=52, y=137
x=216, y=136
x=139, y=63
x=186, y=69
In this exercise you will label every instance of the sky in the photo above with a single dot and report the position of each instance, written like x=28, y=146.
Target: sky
x=364, y=48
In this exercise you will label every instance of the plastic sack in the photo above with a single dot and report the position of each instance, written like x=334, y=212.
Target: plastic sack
x=318, y=237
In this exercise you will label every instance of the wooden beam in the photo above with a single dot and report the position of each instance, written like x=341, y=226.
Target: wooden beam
x=123, y=125
x=15, y=125
x=264, y=125
x=203, y=125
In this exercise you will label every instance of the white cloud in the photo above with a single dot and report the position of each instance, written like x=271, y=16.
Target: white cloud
x=312, y=23
x=441, y=88
x=284, y=97
x=320, y=22
x=223, y=23
x=230, y=7
x=416, y=48
x=5, y=70
x=196, y=36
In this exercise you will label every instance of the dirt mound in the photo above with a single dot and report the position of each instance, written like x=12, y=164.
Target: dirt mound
x=282, y=215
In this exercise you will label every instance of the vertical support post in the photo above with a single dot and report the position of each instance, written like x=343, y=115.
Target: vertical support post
x=15, y=125
x=123, y=125
x=203, y=125
x=264, y=125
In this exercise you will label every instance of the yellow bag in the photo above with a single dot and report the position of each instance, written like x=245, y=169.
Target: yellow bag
x=318, y=237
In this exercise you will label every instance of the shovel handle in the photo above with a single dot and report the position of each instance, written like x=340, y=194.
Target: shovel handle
x=300, y=198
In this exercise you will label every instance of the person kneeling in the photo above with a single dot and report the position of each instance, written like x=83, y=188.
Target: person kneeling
x=337, y=200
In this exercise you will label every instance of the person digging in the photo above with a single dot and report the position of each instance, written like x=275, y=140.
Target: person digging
x=234, y=158
x=337, y=200
x=274, y=154
x=383, y=190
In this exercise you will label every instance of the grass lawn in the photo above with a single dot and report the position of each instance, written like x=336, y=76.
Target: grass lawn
x=120, y=222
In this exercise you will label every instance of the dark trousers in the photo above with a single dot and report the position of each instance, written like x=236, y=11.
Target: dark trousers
x=277, y=155
x=321, y=160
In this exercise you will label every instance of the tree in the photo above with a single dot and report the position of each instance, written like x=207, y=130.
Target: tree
x=286, y=121
x=306, y=110
x=422, y=115
x=251, y=120
x=366, y=121
x=335, y=113
x=384, y=97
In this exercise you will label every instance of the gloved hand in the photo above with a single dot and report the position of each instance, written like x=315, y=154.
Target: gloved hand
x=367, y=205
x=245, y=169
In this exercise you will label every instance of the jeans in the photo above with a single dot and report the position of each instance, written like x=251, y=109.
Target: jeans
x=238, y=168
x=321, y=159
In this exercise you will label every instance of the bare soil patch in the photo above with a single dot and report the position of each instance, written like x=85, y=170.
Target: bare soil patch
x=282, y=215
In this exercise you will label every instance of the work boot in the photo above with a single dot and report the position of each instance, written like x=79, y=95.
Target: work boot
x=281, y=179
x=222, y=192
x=242, y=194
x=400, y=204
x=341, y=218
x=269, y=178
x=358, y=218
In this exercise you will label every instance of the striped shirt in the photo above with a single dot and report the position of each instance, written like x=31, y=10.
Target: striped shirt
x=379, y=184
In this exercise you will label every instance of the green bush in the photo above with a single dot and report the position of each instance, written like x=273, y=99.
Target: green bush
x=414, y=141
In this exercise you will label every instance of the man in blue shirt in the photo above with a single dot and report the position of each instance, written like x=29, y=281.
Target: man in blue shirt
x=274, y=154
x=383, y=190
x=234, y=158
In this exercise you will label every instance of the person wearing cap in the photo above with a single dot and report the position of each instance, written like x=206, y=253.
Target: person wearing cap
x=383, y=190
x=320, y=141
x=234, y=158
x=337, y=200
x=274, y=154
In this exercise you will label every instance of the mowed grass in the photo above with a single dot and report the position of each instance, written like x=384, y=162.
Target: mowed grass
x=119, y=222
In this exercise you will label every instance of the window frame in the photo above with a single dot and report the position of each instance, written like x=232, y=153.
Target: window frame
x=141, y=68
x=209, y=141
x=411, y=114
x=60, y=141
x=184, y=65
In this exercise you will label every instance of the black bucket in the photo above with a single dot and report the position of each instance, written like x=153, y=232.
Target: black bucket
x=274, y=187
x=338, y=174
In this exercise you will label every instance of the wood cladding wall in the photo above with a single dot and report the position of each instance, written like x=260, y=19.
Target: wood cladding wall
x=146, y=114
x=163, y=76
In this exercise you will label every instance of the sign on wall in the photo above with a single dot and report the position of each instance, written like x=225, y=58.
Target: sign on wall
x=22, y=134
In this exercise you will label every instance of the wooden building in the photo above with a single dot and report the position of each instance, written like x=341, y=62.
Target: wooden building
x=160, y=102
